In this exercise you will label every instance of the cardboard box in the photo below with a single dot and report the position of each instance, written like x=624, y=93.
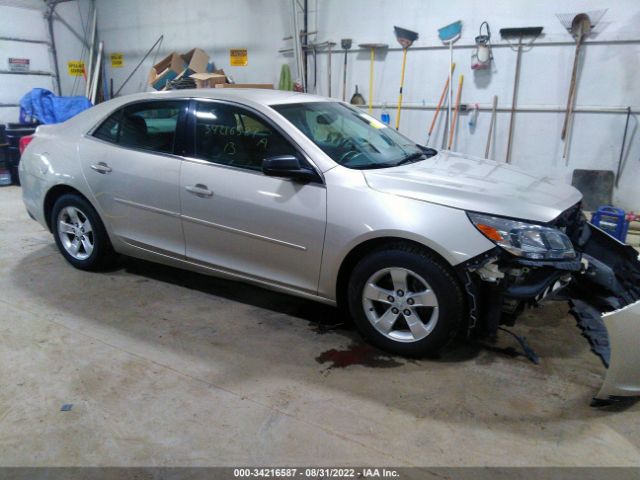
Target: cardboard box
x=208, y=80
x=166, y=69
x=196, y=61
x=246, y=85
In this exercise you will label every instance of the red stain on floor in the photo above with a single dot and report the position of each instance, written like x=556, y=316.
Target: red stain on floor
x=357, y=354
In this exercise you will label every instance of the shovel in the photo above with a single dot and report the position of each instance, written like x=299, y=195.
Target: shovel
x=580, y=28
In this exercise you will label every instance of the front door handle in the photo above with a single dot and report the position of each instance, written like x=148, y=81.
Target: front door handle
x=101, y=167
x=199, y=189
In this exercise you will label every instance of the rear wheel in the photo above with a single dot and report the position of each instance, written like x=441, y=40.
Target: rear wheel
x=405, y=301
x=80, y=234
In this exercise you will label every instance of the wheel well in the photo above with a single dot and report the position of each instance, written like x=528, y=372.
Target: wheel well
x=52, y=195
x=362, y=250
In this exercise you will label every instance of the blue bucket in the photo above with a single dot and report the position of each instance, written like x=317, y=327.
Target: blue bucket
x=612, y=220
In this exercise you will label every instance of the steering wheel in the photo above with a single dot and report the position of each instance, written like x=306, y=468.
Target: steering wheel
x=350, y=156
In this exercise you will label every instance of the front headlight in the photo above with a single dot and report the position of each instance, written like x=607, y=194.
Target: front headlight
x=527, y=240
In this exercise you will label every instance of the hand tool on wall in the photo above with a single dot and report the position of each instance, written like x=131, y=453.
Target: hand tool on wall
x=440, y=102
x=357, y=98
x=448, y=35
x=452, y=130
x=510, y=34
x=345, y=43
x=372, y=51
x=579, y=26
x=405, y=39
x=624, y=141
x=491, y=126
x=330, y=46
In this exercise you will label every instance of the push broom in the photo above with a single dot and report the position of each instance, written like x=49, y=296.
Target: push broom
x=510, y=34
x=405, y=39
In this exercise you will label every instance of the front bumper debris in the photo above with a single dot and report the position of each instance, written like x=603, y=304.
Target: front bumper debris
x=602, y=286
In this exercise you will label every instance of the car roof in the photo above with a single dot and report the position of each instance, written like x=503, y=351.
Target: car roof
x=254, y=95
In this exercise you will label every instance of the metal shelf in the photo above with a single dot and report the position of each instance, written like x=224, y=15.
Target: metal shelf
x=30, y=72
x=24, y=40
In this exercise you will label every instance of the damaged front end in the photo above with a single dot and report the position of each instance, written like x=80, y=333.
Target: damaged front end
x=568, y=259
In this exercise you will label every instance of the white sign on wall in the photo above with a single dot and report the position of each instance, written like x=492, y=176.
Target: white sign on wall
x=19, y=64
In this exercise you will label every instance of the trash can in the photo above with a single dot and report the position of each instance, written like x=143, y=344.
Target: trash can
x=5, y=168
x=14, y=132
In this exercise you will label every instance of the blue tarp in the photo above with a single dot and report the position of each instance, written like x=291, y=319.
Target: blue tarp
x=40, y=105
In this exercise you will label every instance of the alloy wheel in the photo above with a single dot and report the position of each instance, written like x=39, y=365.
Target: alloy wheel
x=400, y=304
x=76, y=233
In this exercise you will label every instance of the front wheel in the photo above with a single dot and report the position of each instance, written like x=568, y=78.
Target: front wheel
x=405, y=301
x=80, y=234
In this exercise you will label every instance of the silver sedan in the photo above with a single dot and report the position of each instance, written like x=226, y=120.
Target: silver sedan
x=314, y=197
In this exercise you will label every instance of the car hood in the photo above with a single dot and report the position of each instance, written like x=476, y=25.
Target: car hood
x=479, y=185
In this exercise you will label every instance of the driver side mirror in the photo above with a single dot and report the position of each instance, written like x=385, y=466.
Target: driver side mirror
x=288, y=166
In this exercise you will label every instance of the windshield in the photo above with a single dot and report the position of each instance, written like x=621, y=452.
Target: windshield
x=351, y=137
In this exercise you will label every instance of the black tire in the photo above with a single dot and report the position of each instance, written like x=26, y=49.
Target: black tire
x=103, y=255
x=449, y=293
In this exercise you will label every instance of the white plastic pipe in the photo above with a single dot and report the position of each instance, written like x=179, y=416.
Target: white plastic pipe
x=87, y=88
x=96, y=74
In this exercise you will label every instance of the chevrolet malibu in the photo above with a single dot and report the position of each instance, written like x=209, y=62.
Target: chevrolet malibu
x=314, y=197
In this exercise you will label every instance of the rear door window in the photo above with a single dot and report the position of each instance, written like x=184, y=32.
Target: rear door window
x=150, y=125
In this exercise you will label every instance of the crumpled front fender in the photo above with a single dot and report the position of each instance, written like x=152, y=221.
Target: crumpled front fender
x=605, y=300
x=623, y=375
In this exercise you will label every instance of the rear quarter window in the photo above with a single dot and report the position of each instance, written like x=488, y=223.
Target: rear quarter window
x=109, y=129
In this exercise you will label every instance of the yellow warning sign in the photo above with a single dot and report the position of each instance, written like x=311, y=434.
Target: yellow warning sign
x=75, y=68
x=117, y=60
x=238, y=57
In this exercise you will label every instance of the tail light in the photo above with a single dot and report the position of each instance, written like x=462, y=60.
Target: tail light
x=24, y=141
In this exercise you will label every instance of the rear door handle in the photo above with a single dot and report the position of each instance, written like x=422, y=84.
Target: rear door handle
x=101, y=167
x=199, y=190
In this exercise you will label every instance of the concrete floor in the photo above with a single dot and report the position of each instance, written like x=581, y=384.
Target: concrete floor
x=165, y=367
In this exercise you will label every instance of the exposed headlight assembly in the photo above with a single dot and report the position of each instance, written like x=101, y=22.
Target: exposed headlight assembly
x=526, y=240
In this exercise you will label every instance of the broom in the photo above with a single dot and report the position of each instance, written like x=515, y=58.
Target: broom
x=448, y=35
x=405, y=39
